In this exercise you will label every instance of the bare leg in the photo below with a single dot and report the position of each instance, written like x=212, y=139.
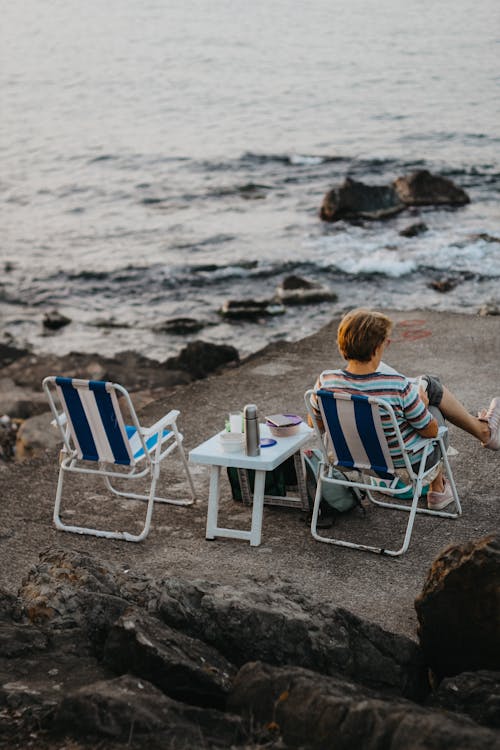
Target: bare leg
x=458, y=415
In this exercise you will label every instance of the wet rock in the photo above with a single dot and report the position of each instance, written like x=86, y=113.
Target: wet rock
x=485, y=237
x=36, y=434
x=444, y=285
x=413, y=230
x=250, y=309
x=54, y=320
x=316, y=712
x=421, y=188
x=200, y=358
x=253, y=622
x=476, y=694
x=356, y=200
x=294, y=290
x=459, y=609
x=180, y=326
x=489, y=308
x=183, y=667
x=125, y=707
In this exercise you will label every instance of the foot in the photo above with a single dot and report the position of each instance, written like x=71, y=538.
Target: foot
x=492, y=416
x=439, y=500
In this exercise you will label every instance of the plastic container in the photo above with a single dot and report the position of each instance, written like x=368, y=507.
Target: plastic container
x=287, y=430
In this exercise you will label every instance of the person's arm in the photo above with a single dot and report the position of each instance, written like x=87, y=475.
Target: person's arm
x=430, y=431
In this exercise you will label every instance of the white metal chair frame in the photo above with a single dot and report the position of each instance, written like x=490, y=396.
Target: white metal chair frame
x=163, y=432
x=417, y=476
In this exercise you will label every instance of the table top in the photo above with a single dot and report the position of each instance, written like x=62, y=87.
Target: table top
x=210, y=452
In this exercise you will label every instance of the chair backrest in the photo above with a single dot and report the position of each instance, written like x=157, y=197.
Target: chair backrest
x=355, y=433
x=94, y=419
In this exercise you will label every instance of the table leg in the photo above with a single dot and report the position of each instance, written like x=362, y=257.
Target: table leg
x=258, y=508
x=213, y=502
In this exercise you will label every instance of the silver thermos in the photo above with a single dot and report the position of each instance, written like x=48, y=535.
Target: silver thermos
x=252, y=435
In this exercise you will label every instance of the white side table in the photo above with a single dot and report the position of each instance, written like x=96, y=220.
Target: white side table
x=210, y=453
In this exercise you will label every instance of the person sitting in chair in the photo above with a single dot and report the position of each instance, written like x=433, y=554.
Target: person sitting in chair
x=362, y=338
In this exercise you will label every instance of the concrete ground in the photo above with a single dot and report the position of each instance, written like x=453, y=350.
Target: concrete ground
x=463, y=350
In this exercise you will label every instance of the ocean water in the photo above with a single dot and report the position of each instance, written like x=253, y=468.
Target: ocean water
x=159, y=158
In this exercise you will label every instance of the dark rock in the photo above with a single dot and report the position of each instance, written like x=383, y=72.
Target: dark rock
x=295, y=290
x=485, y=237
x=459, y=609
x=54, y=320
x=184, y=668
x=444, y=285
x=413, y=230
x=125, y=707
x=356, y=200
x=280, y=627
x=180, y=326
x=476, y=694
x=250, y=309
x=9, y=354
x=421, y=188
x=316, y=712
x=200, y=358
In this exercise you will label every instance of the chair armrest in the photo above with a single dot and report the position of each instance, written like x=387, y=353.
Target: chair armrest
x=442, y=430
x=165, y=421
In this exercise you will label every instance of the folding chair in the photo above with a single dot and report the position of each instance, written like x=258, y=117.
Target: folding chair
x=355, y=441
x=93, y=431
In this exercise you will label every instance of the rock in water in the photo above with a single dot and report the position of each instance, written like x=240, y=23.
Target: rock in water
x=422, y=188
x=353, y=200
x=54, y=320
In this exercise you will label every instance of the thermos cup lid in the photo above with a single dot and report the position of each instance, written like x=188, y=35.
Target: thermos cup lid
x=250, y=411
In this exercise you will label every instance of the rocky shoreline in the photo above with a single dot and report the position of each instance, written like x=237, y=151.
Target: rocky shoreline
x=96, y=655
x=178, y=642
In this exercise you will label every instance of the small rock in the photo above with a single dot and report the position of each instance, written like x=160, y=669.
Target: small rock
x=294, y=290
x=180, y=326
x=476, y=694
x=413, y=230
x=489, y=308
x=444, y=285
x=250, y=309
x=356, y=200
x=54, y=320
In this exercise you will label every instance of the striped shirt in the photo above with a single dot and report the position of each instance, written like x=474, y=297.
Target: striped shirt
x=411, y=412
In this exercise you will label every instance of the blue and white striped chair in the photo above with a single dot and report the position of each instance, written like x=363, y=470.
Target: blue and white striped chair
x=355, y=441
x=93, y=430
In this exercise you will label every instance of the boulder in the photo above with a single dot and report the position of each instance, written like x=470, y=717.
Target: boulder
x=200, y=358
x=20, y=403
x=9, y=354
x=36, y=434
x=294, y=290
x=127, y=706
x=421, y=188
x=459, y=609
x=281, y=627
x=354, y=200
x=476, y=694
x=183, y=667
x=54, y=320
x=316, y=712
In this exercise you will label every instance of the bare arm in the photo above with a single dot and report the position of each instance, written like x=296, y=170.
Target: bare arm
x=430, y=430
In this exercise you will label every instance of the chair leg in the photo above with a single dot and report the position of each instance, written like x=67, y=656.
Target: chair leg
x=124, y=535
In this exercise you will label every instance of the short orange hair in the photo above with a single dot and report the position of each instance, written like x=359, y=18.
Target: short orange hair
x=360, y=332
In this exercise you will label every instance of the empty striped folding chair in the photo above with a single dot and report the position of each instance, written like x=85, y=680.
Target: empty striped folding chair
x=355, y=442
x=98, y=442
